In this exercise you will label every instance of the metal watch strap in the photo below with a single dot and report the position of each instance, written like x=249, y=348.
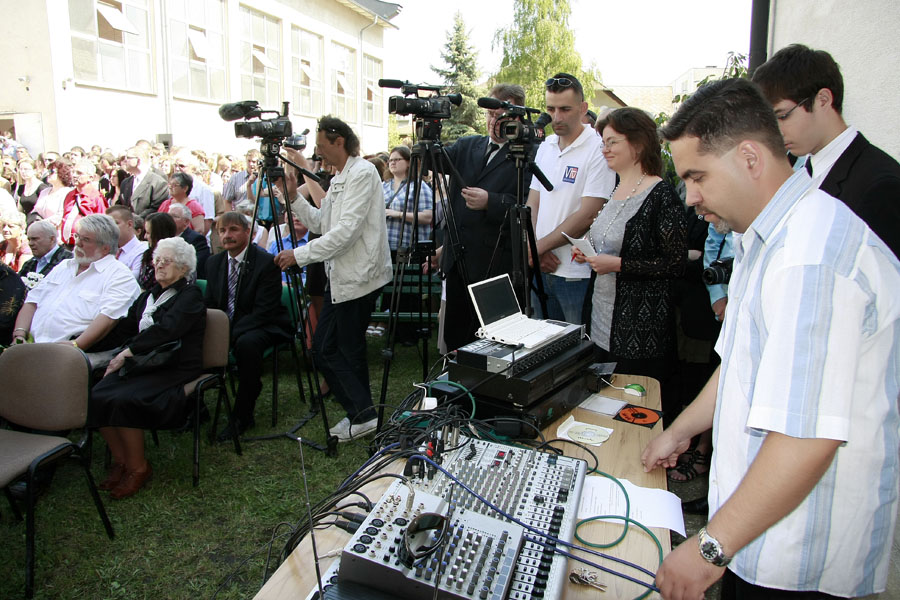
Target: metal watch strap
x=711, y=550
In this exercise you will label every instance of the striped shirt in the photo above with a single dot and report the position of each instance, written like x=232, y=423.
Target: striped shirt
x=235, y=190
x=810, y=348
x=397, y=201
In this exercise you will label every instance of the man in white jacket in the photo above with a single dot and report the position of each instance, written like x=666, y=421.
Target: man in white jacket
x=357, y=261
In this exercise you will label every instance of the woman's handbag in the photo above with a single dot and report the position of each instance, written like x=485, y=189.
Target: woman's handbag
x=162, y=356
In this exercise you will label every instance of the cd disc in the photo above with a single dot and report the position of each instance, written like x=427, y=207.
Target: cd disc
x=588, y=434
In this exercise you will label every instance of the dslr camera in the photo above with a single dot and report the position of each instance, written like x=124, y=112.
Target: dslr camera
x=718, y=272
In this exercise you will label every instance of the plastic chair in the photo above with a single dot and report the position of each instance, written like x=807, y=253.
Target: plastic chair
x=50, y=400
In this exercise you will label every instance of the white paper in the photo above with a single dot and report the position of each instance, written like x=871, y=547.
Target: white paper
x=602, y=433
x=603, y=405
x=582, y=244
x=649, y=506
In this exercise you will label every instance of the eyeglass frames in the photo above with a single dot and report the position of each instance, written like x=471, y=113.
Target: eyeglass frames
x=784, y=116
x=563, y=82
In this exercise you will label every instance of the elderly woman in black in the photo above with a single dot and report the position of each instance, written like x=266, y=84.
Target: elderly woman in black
x=641, y=243
x=125, y=403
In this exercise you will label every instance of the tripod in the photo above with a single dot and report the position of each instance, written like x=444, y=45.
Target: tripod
x=270, y=170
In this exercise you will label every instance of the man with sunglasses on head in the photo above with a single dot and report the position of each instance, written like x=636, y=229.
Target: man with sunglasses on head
x=806, y=90
x=572, y=159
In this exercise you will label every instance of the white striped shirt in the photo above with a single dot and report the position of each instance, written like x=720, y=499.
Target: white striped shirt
x=810, y=348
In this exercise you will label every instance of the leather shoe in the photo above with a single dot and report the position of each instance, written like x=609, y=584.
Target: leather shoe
x=698, y=506
x=226, y=434
x=116, y=472
x=131, y=483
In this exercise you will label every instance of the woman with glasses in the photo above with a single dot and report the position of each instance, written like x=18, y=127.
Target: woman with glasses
x=640, y=238
x=124, y=403
x=180, y=185
x=157, y=227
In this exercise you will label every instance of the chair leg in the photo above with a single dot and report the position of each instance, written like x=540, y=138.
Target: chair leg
x=29, y=535
x=297, y=368
x=215, y=419
x=12, y=504
x=196, y=473
x=92, y=488
x=155, y=437
x=235, y=437
x=275, y=385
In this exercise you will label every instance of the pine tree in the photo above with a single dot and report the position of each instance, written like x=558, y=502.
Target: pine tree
x=461, y=75
x=538, y=44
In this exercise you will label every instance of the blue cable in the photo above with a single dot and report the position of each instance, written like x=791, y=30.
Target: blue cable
x=549, y=537
x=366, y=464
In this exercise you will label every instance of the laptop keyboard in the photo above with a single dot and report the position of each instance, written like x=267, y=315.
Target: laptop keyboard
x=528, y=332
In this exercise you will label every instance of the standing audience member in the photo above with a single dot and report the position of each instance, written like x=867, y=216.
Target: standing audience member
x=144, y=190
x=181, y=214
x=806, y=90
x=29, y=188
x=131, y=249
x=396, y=208
x=235, y=191
x=180, y=186
x=243, y=281
x=803, y=408
x=187, y=164
x=45, y=252
x=355, y=251
x=158, y=226
x=82, y=201
x=51, y=201
x=82, y=298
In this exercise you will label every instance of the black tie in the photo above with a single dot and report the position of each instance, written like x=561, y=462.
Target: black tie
x=808, y=166
x=492, y=147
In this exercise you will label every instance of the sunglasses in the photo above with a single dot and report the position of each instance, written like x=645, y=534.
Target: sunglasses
x=559, y=81
x=424, y=535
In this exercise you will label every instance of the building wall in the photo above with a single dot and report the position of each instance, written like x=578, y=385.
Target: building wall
x=72, y=112
x=652, y=98
x=861, y=35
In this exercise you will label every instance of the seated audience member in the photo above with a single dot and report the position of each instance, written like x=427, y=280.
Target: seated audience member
x=158, y=226
x=14, y=250
x=84, y=200
x=12, y=295
x=181, y=214
x=139, y=228
x=81, y=299
x=187, y=163
x=50, y=202
x=144, y=190
x=122, y=405
x=131, y=249
x=45, y=252
x=180, y=185
x=244, y=282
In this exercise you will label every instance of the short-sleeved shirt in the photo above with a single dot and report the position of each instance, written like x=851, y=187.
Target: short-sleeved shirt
x=67, y=302
x=577, y=171
x=810, y=348
x=193, y=206
x=396, y=200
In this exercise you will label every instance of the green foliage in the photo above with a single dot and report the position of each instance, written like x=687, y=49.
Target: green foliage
x=393, y=133
x=538, y=44
x=461, y=76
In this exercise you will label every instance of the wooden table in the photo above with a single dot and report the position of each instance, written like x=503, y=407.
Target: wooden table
x=619, y=456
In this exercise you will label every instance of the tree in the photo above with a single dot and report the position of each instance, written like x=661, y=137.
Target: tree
x=461, y=76
x=538, y=44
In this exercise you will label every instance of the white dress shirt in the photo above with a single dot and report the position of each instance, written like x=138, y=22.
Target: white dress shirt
x=67, y=302
x=824, y=159
x=131, y=253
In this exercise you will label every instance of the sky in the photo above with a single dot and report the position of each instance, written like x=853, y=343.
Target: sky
x=631, y=42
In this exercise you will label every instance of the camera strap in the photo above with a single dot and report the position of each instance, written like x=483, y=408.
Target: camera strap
x=721, y=245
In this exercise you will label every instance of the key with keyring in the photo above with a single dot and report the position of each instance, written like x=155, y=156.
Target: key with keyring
x=580, y=579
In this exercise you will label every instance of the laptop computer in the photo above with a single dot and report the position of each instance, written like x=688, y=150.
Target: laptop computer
x=501, y=317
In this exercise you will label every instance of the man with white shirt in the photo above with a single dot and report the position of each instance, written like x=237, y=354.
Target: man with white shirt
x=143, y=190
x=82, y=298
x=185, y=162
x=235, y=190
x=806, y=90
x=573, y=162
x=131, y=249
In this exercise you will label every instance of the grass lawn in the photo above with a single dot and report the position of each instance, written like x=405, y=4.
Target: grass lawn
x=177, y=541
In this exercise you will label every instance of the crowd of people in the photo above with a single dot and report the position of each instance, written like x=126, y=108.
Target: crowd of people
x=103, y=251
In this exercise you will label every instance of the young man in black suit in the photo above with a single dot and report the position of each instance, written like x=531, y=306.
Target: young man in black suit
x=243, y=281
x=479, y=203
x=806, y=90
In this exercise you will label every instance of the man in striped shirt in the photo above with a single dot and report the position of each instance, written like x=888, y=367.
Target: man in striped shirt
x=806, y=431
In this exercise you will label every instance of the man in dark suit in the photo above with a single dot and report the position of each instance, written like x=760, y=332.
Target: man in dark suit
x=806, y=90
x=143, y=190
x=244, y=282
x=46, y=253
x=181, y=214
x=479, y=203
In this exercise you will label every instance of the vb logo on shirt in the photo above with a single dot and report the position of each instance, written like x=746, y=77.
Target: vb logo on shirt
x=570, y=175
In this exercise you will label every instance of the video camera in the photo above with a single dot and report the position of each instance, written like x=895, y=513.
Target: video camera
x=434, y=107
x=515, y=125
x=275, y=128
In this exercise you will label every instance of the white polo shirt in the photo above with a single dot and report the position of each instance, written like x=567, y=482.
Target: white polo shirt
x=577, y=171
x=67, y=302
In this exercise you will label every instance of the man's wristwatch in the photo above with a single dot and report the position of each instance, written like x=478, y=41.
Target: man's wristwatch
x=711, y=550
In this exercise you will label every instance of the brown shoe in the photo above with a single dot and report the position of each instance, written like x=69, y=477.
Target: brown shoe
x=116, y=471
x=131, y=482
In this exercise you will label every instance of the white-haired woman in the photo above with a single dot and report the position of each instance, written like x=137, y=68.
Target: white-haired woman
x=126, y=402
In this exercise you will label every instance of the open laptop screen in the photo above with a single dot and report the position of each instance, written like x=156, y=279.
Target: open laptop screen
x=494, y=299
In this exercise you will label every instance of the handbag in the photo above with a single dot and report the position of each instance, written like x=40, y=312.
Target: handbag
x=164, y=355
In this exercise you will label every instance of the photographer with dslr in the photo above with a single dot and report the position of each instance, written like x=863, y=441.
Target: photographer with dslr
x=358, y=263
x=479, y=204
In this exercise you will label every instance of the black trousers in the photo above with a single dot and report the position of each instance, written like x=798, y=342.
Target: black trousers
x=248, y=354
x=339, y=348
x=460, y=320
x=735, y=588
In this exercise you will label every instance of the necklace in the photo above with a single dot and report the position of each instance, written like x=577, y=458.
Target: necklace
x=618, y=212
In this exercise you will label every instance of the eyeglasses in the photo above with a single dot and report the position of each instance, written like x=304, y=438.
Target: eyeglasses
x=559, y=81
x=435, y=524
x=83, y=239
x=610, y=142
x=162, y=261
x=784, y=116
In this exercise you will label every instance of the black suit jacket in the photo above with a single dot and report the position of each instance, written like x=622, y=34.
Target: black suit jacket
x=152, y=191
x=868, y=180
x=258, y=304
x=479, y=229
x=30, y=265
x=201, y=246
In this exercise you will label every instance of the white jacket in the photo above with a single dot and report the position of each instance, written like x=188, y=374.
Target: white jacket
x=354, y=243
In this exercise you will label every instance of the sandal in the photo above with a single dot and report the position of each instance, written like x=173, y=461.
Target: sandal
x=688, y=468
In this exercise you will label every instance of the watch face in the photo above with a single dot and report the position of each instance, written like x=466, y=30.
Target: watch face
x=709, y=551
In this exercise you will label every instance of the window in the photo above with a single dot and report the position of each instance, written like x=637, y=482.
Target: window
x=197, y=48
x=343, y=82
x=306, y=50
x=260, y=59
x=372, y=99
x=111, y=42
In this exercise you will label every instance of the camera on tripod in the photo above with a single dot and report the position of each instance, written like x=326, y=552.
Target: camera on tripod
x=427, y=112
x=515, y=125
x=718, y=271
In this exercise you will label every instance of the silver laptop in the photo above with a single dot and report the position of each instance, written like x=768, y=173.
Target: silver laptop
x=501, y=317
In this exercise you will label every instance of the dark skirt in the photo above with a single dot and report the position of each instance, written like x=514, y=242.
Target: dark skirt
x=148, y=401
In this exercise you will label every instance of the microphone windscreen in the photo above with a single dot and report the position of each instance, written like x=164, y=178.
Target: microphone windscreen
x=391, y=83
x=237, y=110
x=491, y=103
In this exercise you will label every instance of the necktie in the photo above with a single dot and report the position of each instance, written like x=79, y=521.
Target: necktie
x=492, y=147
x=808, y=166
x=232, y=284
